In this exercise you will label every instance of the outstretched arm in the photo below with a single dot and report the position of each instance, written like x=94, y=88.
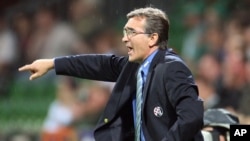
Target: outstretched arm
x=38, y=68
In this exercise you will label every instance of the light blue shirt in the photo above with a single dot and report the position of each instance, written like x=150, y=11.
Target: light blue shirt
x=145, y=67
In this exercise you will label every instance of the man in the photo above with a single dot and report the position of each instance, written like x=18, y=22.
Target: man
x=169, y=108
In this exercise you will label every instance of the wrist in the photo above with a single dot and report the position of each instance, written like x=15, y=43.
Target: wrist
x=51, y=63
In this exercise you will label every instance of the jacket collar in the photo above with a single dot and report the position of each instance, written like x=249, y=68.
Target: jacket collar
x=160, y=57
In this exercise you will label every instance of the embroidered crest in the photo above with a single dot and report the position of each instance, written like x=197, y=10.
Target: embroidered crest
x=158, y=111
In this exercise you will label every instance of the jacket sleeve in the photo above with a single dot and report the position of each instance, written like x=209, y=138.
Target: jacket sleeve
x=91, y=66
x=183, y=96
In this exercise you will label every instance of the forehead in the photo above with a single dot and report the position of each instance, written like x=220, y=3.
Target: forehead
x=135, y=23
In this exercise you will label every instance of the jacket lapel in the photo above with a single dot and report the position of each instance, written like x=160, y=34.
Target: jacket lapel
x=159, y=57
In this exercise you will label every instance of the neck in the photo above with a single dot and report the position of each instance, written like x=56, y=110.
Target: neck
x=152, y=50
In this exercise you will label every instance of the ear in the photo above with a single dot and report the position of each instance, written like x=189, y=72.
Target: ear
x=153, y=39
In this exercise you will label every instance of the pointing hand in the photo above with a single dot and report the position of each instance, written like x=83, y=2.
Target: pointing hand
x=38, y=68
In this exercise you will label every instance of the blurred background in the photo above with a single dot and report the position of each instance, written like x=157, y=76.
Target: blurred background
x=212, y=36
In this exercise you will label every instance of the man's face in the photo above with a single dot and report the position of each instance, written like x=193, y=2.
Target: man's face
x=136, y=40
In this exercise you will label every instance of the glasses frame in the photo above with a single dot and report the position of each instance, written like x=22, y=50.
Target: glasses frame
x=129, y=33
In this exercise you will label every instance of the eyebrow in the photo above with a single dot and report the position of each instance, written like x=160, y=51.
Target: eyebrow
x=129, y=28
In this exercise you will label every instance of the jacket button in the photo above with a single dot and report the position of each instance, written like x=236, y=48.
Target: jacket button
x=106, y=120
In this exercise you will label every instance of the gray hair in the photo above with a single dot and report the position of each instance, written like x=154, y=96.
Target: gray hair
x=156, y=22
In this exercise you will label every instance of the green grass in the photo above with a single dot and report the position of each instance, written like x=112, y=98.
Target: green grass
x=26, y=106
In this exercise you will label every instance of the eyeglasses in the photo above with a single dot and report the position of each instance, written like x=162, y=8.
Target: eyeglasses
x=131, y=33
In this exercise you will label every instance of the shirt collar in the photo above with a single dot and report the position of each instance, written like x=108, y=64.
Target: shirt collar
x=146, y=63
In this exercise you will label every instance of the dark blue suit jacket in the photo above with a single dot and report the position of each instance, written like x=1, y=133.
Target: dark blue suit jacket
x=169, y=89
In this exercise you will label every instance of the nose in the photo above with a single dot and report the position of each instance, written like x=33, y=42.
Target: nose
x=124, y=39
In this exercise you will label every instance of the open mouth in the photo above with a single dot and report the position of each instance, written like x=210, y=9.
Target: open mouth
x=130, y=49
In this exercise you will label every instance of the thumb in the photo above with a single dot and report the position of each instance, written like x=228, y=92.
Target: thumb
x=34, y=76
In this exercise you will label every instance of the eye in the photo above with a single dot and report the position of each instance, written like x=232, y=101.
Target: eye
x=133, y=32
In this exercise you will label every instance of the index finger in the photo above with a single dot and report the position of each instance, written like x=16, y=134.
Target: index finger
x=25, y=68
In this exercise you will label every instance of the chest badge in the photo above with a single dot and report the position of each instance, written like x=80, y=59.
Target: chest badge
x=158, y=111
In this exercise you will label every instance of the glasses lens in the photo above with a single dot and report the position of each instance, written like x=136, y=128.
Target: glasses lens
x=124, y=33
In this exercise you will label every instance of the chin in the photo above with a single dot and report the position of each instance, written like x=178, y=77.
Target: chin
x=130, y=59
x=133, y=60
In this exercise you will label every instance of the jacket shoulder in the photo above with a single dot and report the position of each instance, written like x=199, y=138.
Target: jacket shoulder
x=171, y=56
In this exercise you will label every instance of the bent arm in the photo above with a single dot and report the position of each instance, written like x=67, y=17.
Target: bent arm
x=183, y=95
